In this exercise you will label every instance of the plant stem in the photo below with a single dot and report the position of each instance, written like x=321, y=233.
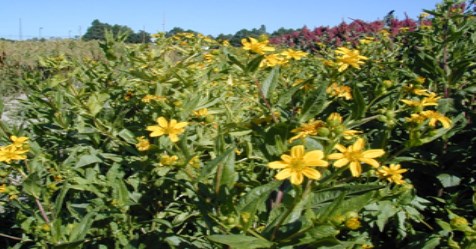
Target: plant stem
x=42, y=210
x=9, y=236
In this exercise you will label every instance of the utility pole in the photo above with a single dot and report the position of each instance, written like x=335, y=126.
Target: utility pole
x=39, y=32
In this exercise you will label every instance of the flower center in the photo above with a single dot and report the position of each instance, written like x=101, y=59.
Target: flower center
x=352, y=155
x=297, y=164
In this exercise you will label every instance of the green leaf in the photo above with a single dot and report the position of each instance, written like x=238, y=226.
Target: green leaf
x=81, y=229
x=211, y=166
x=448, y=180
x=327, y=195
x=255, y=200
x=254, y=64
x=241, y=241
x=270, y=83
x=358, y=108
x=127, y=135
x=317, y=233
x=386, y=211
x=286, y=96
x=70, y=245
x=235, y=61
x=314, y=104
x=87, y=160
x=190, y=106
x=96, y=102
x=228, y=175
x=32, y=185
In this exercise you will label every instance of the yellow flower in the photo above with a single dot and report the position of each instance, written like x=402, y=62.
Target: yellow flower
x=147, y=98
x=416, y=118
x=334, y=121
x=393, y=173
x=18, y=141
x=349, y=58
x=337, y=91
x=305, y=85
x=352, y=223
x=307, y=129
x=421, y=92
x=384, y=33
x=367, y=40
x=166, y=160
x=143, y=144
x=195, y=162
x=11, y=152
x=437, y=117
x=420, y=79
x=430, y=100
x=294, y=54
x=172, y=128
x=272, y=60
x=354, y=155
x=201, y=112
x=3, y=188
x=208, y=57
x=255, y=46
x=299, y=164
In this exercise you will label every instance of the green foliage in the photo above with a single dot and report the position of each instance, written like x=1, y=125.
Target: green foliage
x=190, y=143
x=97, y=32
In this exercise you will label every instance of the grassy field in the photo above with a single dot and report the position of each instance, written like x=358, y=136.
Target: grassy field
x=20, y=57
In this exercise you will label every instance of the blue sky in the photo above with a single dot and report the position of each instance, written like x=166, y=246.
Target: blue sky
x=66, y=18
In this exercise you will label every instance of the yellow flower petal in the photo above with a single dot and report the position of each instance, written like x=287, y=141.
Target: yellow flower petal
x=341, y=162
x=156, y=130
x=297, y=151
x=355, y=169
x=371, y=162
x=358, y=145
x=373, y=153
x=162, y=122
x=335, y=156
x=314, y=158
x=296, y=178
x=278, y=165
x=340, y=148
x=283, y=174
x=173, y=137
x=311, y=173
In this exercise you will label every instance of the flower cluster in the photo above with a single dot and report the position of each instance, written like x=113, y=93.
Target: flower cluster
x=349, y=57
x=300, y=163
x=427, y=99
x=15, y=151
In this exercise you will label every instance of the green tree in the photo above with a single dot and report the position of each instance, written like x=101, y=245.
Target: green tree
x=97, y=30
x=177, y=30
